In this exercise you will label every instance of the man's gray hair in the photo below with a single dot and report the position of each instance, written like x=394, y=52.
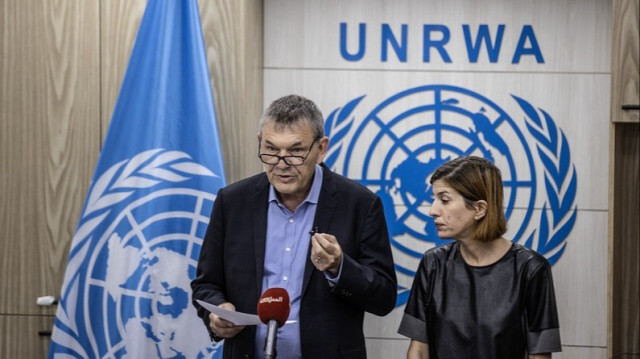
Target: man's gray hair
x=290, y=109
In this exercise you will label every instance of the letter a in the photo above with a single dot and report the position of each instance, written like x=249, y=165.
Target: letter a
x=527, y=33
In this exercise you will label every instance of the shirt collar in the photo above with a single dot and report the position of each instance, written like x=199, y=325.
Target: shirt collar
x=314, y=193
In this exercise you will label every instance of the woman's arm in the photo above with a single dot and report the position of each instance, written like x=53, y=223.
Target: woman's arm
x=418, y=350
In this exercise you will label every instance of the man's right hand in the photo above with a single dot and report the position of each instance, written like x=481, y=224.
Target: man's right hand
x=224, y=328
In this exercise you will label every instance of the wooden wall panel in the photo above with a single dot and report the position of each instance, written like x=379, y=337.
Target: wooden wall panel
x=625, y=257
x=62, y=66
x=624, y=188
x=20, y=337
x=48, y=139
x=625, y=60
x=233, y=38
x=119, y=22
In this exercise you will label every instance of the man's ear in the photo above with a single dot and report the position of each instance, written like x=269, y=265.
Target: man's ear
x=480, y=208
x=323, y=145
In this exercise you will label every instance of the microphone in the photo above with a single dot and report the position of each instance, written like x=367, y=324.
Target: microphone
x=273, y=310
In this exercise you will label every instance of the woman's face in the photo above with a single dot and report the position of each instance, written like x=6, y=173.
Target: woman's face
x=453, y=219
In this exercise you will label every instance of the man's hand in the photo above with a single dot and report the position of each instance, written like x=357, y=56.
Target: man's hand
x=326, y=253
x=224, y=328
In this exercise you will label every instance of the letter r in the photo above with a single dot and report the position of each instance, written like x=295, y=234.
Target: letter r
x=428, y=43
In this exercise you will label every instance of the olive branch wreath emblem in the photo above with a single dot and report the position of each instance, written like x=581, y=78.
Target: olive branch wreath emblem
x=140, y=172
x=560, y=182
x=143, y=171
x=549, y=239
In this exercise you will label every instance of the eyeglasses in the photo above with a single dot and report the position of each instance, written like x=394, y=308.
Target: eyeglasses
x=289, y=160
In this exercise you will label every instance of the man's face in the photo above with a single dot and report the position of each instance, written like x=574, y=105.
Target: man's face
x=292, y=182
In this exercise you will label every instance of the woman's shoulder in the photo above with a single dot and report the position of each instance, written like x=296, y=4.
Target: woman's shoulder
x=530, y=258
x=441, y=251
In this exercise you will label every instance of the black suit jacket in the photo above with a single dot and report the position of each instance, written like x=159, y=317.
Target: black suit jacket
x=231, y=265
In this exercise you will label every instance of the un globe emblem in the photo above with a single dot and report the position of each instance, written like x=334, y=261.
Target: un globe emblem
x=396, y=147
x=126, y=290
x=139, y=275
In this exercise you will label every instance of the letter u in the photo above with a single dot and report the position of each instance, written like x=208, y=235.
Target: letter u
x=362, y=35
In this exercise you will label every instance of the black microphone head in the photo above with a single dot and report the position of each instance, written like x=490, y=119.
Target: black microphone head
x=274, y=305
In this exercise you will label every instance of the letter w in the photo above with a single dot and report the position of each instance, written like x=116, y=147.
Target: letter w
x=473, y=49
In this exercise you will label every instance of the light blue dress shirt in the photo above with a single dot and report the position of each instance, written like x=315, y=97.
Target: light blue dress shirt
x=285, y=258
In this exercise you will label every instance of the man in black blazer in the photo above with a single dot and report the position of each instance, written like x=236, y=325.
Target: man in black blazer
x=333, y=276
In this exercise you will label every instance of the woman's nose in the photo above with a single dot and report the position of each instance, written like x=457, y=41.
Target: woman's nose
x=433, y=211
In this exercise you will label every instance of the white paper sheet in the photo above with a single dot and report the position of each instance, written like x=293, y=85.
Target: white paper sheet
x=237, y=318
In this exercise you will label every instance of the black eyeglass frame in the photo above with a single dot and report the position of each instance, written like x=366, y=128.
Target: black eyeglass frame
x=284, y=158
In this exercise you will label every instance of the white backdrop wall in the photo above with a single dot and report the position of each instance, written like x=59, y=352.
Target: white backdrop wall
x=436, y=94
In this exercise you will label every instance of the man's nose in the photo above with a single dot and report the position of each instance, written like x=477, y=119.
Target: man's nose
x=282, y=163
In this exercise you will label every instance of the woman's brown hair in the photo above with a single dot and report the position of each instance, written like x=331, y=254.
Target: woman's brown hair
x=477, y=179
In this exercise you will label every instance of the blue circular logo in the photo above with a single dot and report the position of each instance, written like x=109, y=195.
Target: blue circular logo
x=396, y=147
x=126, y=292
x=139, y=273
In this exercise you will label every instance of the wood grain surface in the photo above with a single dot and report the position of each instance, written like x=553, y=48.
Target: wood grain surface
x=232, y=32
x=625, y=60
x=119, y=23
x=49, y=140
x=623, y=337
x=62, y=66
x=19, y=337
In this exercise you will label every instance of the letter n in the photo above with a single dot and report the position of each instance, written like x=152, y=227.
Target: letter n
x=388, y=38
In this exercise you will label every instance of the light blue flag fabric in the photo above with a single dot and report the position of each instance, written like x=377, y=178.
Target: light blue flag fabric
x=126, y=290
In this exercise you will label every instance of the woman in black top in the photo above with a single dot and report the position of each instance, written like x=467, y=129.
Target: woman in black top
x=481, y=296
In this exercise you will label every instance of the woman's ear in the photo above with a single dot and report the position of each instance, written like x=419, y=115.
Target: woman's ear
x=480, y=208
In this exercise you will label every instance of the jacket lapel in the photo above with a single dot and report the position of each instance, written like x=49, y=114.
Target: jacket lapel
x=259, y=220
x=327, y=204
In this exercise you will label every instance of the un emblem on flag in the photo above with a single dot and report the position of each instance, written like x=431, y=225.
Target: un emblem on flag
x=140, y=273
x=136, y=253
x=396, y=147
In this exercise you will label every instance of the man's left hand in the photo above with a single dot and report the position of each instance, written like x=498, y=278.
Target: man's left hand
x=326, y=253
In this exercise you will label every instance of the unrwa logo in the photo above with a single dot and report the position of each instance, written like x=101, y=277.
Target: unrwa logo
x=396, y=147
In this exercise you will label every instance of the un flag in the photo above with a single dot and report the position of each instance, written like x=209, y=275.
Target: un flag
x=126, y=288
